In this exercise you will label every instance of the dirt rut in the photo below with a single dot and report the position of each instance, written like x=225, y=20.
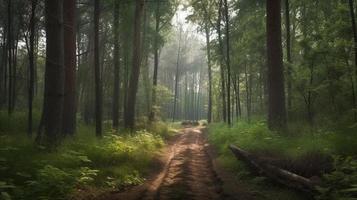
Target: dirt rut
x=188, y=174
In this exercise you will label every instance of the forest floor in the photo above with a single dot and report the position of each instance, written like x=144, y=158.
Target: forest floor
x=187, y=172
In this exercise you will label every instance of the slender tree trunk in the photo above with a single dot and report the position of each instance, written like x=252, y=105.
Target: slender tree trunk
x=221, y=59
x=54, y=76
x=31, y=66
x=277, y=111
x=237, y=95
x=247, y=90
x=69, y=105
x=177, y=76
x=228, y=63
x=353, y=24
x=3, y=80
x=209, y=112
x=288, y=53
x=9, y=48
x=97, y=75
x=156, y=60
x=135, y=72
x=116, y=58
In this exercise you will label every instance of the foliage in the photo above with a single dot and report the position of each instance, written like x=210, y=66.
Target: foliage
x=300, y=144
x=116, y=161
x=342, y=182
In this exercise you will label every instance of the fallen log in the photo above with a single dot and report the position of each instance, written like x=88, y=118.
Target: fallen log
x=275, y=173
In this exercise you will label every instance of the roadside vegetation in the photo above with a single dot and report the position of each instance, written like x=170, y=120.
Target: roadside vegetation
x=81, y=165
x=326, y=154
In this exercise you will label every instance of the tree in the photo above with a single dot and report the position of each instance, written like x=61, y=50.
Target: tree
x=228, y=63
x=221, y=59
x=69, y=104
x=177, y=75
x=10, y=58
x=97, y=72
x=354, y=31
x=277, y=111
x=156, y=60
x=116, y=73
x=288, y=53
x=52, y=113
x=31, y=52
x=129, y=115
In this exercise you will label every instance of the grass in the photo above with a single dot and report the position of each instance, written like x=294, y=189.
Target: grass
x=297, y=145
x=116, y=161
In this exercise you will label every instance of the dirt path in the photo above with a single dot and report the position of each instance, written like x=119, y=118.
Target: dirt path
x=188, y=174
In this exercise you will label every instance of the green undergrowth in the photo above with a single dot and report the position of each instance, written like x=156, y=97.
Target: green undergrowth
x=116, y=161
x=300, y=144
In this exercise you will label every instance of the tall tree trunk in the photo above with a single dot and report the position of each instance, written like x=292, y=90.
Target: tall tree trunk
x=97, y=74
x=288, y=53
x=9, y=48
x=247, y=91
x=353, y=24
x=116, y=58
x=277, y=111
x=209, y=112
x=177, y=76
x=54, y=76
x=221, y=59
x=228, y=63
x=237, y=95
x=31, y=66
x=156, y=60
x=69, y=104
x=135, y=72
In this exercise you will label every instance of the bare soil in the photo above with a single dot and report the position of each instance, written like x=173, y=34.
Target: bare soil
x=187, y=172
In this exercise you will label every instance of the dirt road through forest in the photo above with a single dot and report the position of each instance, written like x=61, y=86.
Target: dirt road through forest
x=187, y=173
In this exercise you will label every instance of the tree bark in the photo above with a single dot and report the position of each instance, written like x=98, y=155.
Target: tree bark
x=97, y=72
x=135, y=72
x=277, y=111
x=156, y=60
x=228, y=64
x=31, y=66
x=54, y=76
x=288, y=53
x=116, y=58
x=69, y=104
x=221, y=59
x=208, y=47
x=353, y=25
x=177, y=76
x=9, y=48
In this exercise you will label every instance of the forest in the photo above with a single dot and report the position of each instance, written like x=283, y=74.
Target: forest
x=178, y=99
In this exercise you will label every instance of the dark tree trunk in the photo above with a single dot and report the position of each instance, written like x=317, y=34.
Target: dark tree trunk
x=116, y=58
x=9, y=48
x=177, y=76
x=353, y=24
x=54, y=76
x=288, y=53
x=228, y=64
x=31, y=66
x=97, y=72
x=69, y=104
x=209, y=112
x=221, y=59
x=129, y=118
x=248, y=91
x=156, y=60
x=277, y=111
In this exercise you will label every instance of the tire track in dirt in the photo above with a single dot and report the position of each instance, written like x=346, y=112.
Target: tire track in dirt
x=189, y=172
